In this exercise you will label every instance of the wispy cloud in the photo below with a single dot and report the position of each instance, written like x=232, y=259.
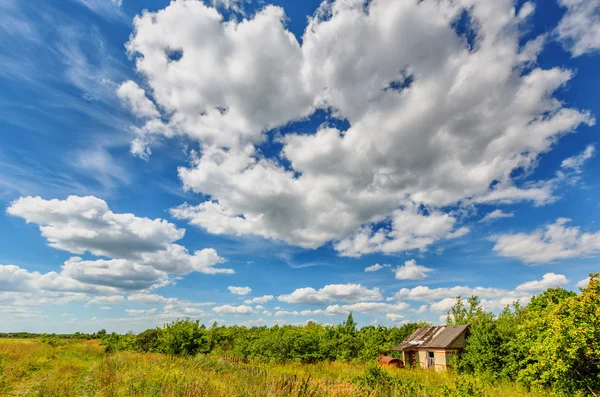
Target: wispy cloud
x=110, y=9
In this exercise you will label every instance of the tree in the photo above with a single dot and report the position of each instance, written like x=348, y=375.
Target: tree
x=461, y=315
x=484, y=347
x=513, y=349
x=550, y=297
x=565, y=351
x=349, y=326
x=101, y=334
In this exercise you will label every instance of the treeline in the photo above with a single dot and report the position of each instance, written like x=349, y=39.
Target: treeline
x=29, y=335
x=289, y=343
x=553, y=342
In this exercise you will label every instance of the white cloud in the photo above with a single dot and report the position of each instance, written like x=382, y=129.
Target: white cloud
x=105, y=308
x=584, y=283
x=426, y=294
x=179, y=309
x=492, y=299
x=135, y=98
x=176, y=259
x=496, y=214
x=554, y=242
x=576, y=162
x=412, y=271
x=549, y=280
x=579, y=29
x=9, y=311
x=282, y=313
x=253, y=323
x=100, y=300
x=540, y=193
x=261, y=300
x=98, y=163
x=170, y=303
x=143, y=249
x=172, y=311
x=150, y=299
x=107, y=8
x=361, y=307
x=43, y=297
x=80, y=224
x=495, y=305
x=394, y=317
x=331, y=293
x=411, y=229
x=466, y=117
x=139, y=312
x=85, y=224
x=13, y=278
x=16, y=279
x=234, y=5
x=342, y=310
x=226, y=89
x=116, y=273
x=234, y=310
x=239, y=290
x=376, y=267
x=442, y=306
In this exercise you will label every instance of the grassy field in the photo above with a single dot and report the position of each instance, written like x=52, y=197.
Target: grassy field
x=31, y=367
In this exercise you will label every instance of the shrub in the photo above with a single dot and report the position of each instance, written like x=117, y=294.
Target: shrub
x=51, y=340
x=183, y=337
x=374, y=377
x=149, y=340
x=464, y=388
x=115, y=342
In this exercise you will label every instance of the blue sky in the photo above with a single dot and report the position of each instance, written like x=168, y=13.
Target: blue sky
x=251, y=162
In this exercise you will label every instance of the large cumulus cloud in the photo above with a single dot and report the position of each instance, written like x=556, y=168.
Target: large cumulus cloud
x=436, y=117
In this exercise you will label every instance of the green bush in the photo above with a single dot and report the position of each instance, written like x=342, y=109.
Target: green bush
x=374, y=376
x=149, y=340
x=51, y=340
x=115, y=342
x=183, y=337
x=464, y=388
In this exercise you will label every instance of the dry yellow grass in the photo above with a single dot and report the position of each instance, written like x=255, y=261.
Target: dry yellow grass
x=81, y=368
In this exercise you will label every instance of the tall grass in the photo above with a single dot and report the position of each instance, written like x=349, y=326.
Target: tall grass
x=81, y=368
x=52, y=368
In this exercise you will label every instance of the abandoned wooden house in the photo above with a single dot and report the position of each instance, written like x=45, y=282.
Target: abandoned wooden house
x=433, y=347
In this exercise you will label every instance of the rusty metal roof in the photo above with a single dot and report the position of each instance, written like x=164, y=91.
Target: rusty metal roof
x=432, y=337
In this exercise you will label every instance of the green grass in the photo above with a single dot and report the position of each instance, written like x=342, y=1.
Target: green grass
x=81, y=368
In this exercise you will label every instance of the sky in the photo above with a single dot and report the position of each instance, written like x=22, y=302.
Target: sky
x=274, y=162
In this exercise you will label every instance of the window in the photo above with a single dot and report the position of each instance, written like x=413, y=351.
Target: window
x=430, y=354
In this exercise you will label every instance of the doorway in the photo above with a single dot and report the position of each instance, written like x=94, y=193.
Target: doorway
x=411, y=358
x=430, y=360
